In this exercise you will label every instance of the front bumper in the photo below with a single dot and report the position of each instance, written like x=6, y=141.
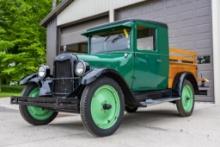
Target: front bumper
x=52, y=103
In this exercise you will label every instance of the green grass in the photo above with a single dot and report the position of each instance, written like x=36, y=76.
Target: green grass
x=8, y=94
x=8, y=91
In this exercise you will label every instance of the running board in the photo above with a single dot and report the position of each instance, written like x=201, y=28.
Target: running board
x=148, y=102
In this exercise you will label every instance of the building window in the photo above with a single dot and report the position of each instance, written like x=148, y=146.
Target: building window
x=145, y=38
x=205, y=59
x=75, y=48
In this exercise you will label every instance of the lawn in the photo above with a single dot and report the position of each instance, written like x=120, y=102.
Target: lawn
x=8, y=94
x=8, y=91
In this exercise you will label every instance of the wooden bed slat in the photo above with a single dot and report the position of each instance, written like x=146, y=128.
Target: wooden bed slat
x=181, y=55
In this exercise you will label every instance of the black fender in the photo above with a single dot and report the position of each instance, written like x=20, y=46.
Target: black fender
x=179, y=79
x=94, y=74
x=33, y=78
x=43, y=84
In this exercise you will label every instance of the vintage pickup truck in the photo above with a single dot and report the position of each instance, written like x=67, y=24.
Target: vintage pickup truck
x=128, y=65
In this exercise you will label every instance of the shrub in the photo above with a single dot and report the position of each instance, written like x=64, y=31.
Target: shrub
x=11, y=89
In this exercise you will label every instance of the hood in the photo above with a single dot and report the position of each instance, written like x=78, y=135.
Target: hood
x=111, y=60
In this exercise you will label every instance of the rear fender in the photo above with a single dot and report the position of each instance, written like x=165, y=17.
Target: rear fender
x=178, y=82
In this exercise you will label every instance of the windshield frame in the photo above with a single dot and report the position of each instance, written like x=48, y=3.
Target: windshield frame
x=130, y=35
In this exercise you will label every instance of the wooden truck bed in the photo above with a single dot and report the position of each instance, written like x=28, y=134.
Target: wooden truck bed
x=182, y=61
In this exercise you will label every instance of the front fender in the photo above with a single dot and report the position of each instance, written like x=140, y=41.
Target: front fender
x=33, y=78
x=96, y=73
x=43, y=84
x=92, y=76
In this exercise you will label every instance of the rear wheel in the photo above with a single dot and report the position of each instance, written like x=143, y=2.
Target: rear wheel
x=185, y=105
x=33, y=114
x=102, y=107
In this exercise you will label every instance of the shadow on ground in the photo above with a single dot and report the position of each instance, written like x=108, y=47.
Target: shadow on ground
x=137, y=119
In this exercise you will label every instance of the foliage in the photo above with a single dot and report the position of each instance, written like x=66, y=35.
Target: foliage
x=22, y=39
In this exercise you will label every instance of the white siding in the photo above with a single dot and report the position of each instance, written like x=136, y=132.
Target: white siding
x=85, y=8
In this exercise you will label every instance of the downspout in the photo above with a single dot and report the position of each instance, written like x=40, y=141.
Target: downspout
x=111, y=15
x=54, y=4
x=216, y=48
x=111, y=12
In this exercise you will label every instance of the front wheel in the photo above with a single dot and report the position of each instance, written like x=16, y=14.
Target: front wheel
x=185, y=105
x=102, y=107
x=33, y=114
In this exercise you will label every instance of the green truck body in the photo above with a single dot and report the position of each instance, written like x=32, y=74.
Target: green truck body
x=130, y=62
x=127, y=66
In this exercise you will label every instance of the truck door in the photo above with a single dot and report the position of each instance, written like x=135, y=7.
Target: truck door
x=151, y=58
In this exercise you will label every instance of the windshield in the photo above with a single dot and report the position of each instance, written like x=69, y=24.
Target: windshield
x=110, y=41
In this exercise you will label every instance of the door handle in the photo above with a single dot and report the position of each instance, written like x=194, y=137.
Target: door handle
x=125, y=55
x=159, y=60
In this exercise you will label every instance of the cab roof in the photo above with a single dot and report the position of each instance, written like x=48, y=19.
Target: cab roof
x=122, y=23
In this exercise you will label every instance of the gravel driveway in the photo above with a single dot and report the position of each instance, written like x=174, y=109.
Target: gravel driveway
x=154, y=126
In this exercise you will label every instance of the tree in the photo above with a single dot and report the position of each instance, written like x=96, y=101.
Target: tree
x=22, y=39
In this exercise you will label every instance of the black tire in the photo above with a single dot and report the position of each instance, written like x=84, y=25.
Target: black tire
x=179, y=103
x=25, y=113
x=131, y=109
x=85, y=107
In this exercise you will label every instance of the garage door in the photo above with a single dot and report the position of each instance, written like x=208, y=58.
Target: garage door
x=190, y=27
x=71, y=39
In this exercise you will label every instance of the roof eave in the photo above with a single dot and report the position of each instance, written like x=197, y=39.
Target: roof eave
x=55, y=12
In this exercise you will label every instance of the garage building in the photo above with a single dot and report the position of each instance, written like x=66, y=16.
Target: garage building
x=193, y=24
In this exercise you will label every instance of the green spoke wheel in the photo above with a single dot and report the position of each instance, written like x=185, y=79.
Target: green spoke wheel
x=38, y=113
x=33, y=114
x=187, y=98
x=105, y=106
x=185, y=105
x=102, y=107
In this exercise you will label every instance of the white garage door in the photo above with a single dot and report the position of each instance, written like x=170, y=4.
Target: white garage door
x=71, y=39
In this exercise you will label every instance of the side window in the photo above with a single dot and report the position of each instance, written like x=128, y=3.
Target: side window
x=145, y=38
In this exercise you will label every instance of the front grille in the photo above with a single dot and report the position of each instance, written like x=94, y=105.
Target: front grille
x=64, y=78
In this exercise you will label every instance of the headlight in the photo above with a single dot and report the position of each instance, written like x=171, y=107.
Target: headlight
x=80, y=68
x=43, y=71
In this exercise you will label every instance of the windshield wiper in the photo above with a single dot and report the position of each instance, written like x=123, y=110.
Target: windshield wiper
x=119, y=36
x=107, y=38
